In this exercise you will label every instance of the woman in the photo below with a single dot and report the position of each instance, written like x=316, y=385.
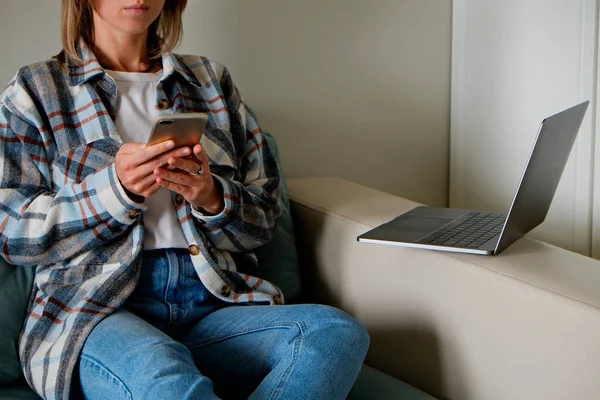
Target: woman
x=143, y=252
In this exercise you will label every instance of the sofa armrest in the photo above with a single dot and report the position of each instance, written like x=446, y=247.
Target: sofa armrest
x=520, y=325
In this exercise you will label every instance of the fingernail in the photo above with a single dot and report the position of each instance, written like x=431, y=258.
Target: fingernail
x=142, y=146
x=169, y=145
x=185, y=152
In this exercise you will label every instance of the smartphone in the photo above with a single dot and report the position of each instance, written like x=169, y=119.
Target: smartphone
x=184, y=129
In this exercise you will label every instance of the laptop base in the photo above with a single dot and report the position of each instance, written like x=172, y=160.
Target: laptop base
x=409, y=230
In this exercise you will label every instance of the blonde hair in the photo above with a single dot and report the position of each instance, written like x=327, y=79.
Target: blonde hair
x=77, y=24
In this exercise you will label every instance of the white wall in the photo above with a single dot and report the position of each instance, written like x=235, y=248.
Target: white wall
x=514, y=63
x=351, y=88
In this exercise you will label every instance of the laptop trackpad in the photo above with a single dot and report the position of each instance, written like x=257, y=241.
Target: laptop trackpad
x=408, y=228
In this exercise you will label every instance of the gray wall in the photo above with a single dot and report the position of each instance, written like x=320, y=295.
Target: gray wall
x=351, y=88
x=30, y=32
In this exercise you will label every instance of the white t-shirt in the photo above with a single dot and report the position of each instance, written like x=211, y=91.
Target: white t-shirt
x=135, y=113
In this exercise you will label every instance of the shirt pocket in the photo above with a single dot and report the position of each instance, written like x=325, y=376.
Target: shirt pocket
x=73, y=165
x=86, y=141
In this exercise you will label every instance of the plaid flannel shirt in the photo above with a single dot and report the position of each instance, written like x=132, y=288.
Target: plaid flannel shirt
x=63, y=209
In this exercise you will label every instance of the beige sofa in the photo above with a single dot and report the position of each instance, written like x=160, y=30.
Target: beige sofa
x=521, y=325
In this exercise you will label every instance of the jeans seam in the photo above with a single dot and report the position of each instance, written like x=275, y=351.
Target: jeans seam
x=97, y=363
x=167, y=290
x=184, y=285
x=277, y=390
x=214, y=339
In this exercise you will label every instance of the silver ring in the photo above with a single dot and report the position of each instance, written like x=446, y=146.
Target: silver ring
x=200, y=172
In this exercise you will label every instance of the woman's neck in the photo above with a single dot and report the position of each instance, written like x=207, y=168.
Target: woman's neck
x=121, y=52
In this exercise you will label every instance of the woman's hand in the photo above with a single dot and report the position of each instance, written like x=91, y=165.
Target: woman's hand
x=136, y=163
x=191, y=178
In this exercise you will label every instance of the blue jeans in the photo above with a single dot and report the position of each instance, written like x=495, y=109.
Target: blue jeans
x=173, y=339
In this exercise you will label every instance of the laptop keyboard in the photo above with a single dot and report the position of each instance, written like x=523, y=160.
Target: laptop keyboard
x=469, y=231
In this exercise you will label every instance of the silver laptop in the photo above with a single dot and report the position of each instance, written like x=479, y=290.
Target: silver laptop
x=487, y=233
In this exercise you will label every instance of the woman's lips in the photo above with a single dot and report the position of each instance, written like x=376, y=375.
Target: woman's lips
x=137, y=10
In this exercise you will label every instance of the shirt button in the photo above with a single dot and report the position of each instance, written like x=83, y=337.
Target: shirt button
x=194, y=250
x=133, y=214
x=164, y=104
x=225, y=291
x=179, y=199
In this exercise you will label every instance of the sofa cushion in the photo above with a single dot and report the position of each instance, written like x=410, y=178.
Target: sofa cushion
x=15, y=288
x=18, y=391
x=278, y=259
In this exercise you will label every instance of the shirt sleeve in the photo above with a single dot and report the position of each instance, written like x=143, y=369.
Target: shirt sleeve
x=253, y=204
x=42, y=223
